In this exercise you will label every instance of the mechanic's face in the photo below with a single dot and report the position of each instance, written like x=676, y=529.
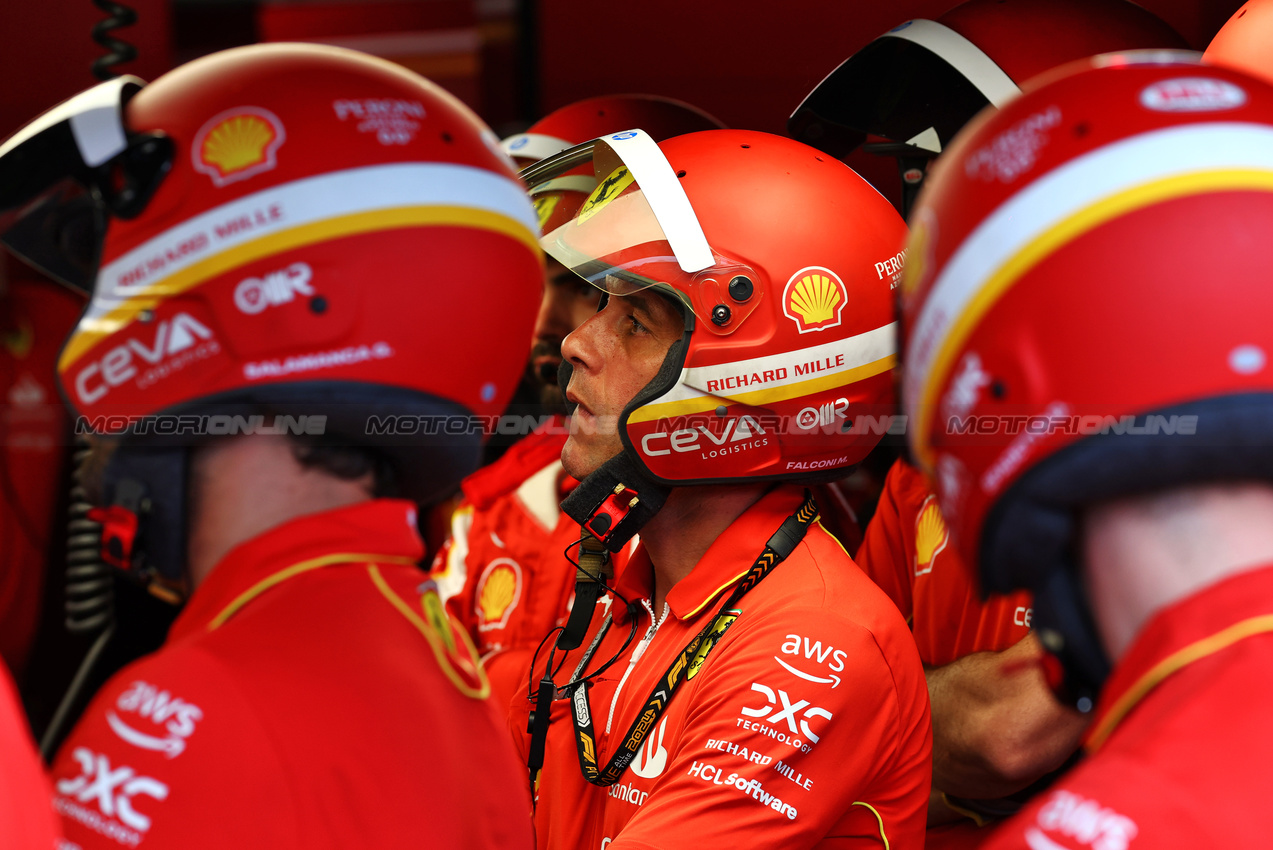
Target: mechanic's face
x=614, y=354
x=568, y=302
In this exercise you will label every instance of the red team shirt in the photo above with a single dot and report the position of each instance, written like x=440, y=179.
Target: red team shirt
x=1179, y=748
x=310, y=695
x=907, y=551
x=26, y=818
x=503, y=572
x=806, y=726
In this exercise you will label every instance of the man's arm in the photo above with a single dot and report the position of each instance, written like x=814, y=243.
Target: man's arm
x=996, y=725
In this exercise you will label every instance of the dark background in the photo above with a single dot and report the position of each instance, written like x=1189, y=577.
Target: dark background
x=749, y=62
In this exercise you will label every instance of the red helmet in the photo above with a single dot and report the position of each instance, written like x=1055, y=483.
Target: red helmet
x=920, y=82
x=1243, y=42
x=660, y=117
x=1082, y=314
x=782, y=261
x=283, y=224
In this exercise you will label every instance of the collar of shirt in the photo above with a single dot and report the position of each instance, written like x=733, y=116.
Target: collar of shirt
x=377, y=530
x=725, y=562
x=1190, y=630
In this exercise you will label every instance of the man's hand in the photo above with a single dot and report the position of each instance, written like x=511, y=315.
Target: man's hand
x=996, y=726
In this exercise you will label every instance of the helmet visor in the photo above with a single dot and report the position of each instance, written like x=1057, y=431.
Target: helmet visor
x=915, y=85
x=47, y=215
x=637, y=229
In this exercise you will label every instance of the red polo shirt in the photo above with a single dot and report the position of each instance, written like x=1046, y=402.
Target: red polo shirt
x=907, y=552
x=806, y=726
x=312, y=694
x=503, y=571
x=1180, y=747
x=26, y=815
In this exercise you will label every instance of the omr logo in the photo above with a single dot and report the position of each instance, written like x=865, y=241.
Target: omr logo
x=118, y=366
x=254, y=294
x=687, y=439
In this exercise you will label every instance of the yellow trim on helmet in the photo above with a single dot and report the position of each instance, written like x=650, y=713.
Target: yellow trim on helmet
x=761, y=398
x=435, y=641
x=92, y=330
x=291, y=572
x=1172, y=663
x=1045, y=244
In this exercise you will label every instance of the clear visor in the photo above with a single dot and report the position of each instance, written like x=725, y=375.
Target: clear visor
x=636, y=229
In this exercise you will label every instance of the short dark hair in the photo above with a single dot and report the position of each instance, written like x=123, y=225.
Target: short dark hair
x=346, y=462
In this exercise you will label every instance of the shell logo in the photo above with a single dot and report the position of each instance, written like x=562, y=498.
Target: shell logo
x=498, y=591
x=238, y=144
x=814, y=299
x=931, y=535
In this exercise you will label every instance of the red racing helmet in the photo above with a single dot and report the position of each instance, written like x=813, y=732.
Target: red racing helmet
x=659, y=117
x=297, y=229
x=782, y=261
x=1243, y=42
x=919, y=83
x=1085, y=316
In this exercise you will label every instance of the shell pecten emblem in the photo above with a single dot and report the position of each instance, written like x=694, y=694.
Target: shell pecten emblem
x=498, y=591
x=238, y=144
x=931, y=535
x=814, y=299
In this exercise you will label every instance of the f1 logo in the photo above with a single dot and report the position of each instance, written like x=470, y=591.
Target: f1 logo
x=788, y=712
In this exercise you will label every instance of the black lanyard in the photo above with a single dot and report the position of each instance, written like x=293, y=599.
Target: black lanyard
x=687, y=663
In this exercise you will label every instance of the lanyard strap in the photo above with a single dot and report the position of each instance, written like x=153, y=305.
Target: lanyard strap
x=687, y=663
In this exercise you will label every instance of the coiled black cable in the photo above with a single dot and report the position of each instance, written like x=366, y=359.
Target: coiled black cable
x=90, y=585
x=119, y=52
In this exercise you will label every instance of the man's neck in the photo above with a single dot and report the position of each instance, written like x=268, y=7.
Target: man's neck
x=242, y=487
x=689, y=522
x=1144, y=553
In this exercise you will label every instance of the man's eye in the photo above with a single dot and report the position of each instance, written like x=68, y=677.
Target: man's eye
x=637, y=327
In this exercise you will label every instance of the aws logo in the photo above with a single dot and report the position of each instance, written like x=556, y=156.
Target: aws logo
x=177, y=717
x=812, y=652
x=689, y=439
x=814, y=299
x=931, y=535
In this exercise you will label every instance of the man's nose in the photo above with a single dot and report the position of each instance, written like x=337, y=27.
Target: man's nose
x=579, y=346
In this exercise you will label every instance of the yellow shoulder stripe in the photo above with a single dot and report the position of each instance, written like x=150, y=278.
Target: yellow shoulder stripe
x=446, y=661
x=1182, y=658
x=291, y=572
x=879, y=820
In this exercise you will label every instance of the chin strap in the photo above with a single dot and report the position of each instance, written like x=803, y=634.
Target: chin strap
x=616, y=501
x=1076, y=665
